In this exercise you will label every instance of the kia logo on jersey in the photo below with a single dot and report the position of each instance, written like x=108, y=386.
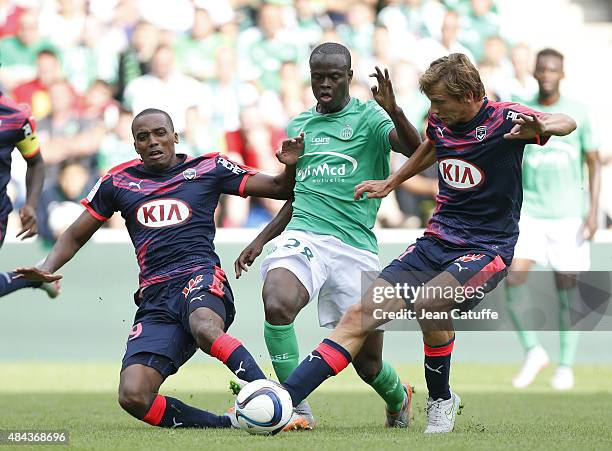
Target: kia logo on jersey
x=460, y=174
x=163, y=213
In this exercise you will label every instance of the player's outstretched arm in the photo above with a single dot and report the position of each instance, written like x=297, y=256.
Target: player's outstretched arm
x=279, y=186
x=35, y=176
x=271, y=231
x=68, y=244
x=529, y=127
x=423, y=157
x=404, y=138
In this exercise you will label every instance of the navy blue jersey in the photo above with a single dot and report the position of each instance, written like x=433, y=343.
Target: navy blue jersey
x=16, y=130
x=479, y=180
x=169, y=215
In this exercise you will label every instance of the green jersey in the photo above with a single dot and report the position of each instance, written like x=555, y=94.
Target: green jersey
x=554, y=175
x=341, y=150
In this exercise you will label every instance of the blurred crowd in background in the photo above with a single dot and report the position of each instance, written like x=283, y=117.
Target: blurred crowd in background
x=231, y=73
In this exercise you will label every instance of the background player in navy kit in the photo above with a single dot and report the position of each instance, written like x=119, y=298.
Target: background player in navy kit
x=470, y=239
x=168, y=202
x=17, y=129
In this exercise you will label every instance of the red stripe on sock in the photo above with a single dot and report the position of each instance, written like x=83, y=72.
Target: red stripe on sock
x=334, y=358
x=437, y=351
x=223, y=347
x=156, y=411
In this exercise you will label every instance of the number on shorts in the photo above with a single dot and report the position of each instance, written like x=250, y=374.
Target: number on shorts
x=296, y=243
x=306, y=252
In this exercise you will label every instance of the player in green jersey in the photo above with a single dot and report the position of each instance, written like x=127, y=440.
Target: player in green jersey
x=555, y=223
x=327, y=240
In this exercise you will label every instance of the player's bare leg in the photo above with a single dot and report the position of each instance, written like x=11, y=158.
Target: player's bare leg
x=138, y=395
x=138, y=386
x=207, y=328
x=536, y=357
x=284, y=297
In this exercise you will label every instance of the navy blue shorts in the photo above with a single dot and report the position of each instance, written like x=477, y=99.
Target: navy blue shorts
x=161, y=337
x=428, y=257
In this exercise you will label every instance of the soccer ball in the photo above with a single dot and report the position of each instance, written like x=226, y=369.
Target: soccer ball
x=263, y=407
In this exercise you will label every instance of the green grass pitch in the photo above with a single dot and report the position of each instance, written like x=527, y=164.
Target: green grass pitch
x=81, y=398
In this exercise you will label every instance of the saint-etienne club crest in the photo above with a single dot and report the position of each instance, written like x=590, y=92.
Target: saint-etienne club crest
x=189, y=174
x=481, y=132
x=347, y=132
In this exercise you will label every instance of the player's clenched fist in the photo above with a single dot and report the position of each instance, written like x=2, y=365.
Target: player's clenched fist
x=291, y=149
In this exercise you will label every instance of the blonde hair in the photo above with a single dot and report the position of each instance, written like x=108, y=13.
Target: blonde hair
x=459, y=76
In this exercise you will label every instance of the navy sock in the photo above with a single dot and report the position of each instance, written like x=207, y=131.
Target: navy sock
x=167, y=412
x=437, y=369
x=236, y=357
x=327, y=360
x=8, y=284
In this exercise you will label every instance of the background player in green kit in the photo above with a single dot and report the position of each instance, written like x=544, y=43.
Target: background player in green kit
x=328, y=241
x=555, y=225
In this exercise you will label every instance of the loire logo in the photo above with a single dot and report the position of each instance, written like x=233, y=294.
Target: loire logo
x=326, y=172
x=481, y=132
x=163, y=213
x=320, y=140
x=460, y=174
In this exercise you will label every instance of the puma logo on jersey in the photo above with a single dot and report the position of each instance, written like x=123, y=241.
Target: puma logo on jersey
x=134, y=184
x=163, y=213
x=460, y=174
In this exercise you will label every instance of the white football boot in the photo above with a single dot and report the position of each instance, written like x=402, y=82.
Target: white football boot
x=441, y=414
x=563, y=379
x=535, y=361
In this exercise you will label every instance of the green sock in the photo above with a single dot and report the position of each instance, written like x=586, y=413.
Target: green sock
x=283, y=349
x=568, y=339
x=515, y=295
x=388, y=385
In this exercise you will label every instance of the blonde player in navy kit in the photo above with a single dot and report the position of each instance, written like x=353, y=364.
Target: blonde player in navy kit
x=469, y=242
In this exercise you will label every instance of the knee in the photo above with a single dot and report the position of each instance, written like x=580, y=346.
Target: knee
x=353, y=317
x=134, y=400
x=280, y=307
x=516, y=278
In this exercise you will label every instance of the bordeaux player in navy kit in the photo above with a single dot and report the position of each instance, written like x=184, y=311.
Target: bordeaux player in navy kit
x=17, y=129
x=469, y=241
x=184, y=300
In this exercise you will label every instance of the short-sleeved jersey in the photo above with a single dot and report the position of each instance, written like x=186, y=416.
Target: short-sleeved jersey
x=341, y=150
x=17, y=129
x=554, y=177
x=169, y=215
x=479, y=180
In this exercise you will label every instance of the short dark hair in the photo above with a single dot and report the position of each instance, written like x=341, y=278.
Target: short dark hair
x=149, y=111
x=47, y=52
x=332, y=48
x=550, y=52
